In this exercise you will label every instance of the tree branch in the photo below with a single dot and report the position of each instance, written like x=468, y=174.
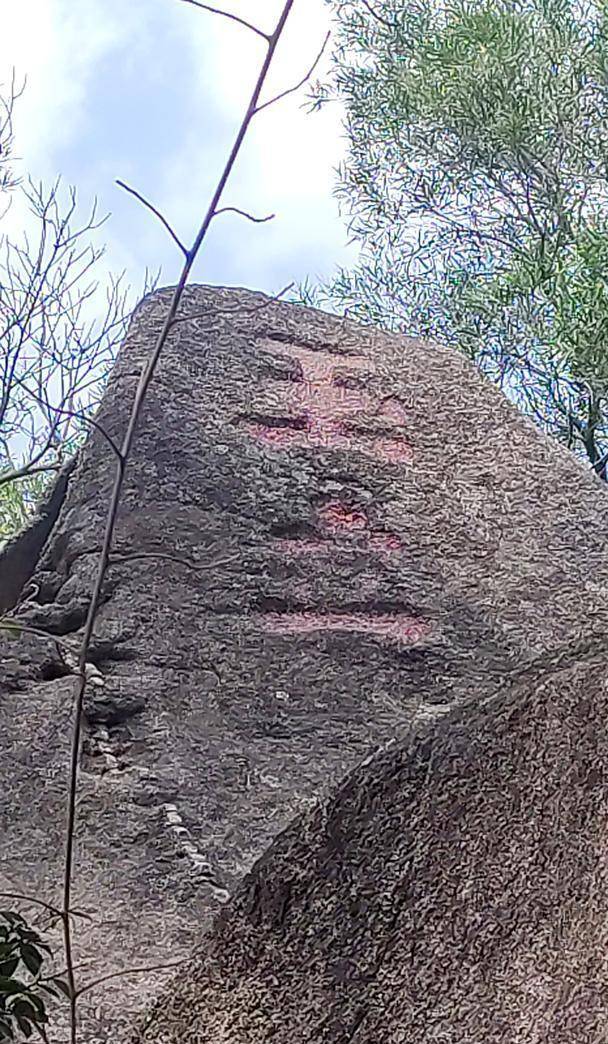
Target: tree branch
x=231, y=17
x=232, y=311
x=114, y=504
x=378, y=17
x=157, y=213
x=129, y=971
x=296, y=87
x=244, y=213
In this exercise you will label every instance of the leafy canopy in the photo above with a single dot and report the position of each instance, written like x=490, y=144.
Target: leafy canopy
x=476, y=182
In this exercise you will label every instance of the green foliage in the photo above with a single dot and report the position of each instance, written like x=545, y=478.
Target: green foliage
x=23, y=989
x=477, y=185
x=18, y=500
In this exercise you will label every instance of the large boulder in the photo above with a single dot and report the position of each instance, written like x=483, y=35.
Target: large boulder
x=454, y=889
x=328, y=535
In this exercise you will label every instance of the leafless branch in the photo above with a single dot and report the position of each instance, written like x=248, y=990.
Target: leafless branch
x=113, y=507
x=27, y=469
x=52, y=356
x=157, y=214
x=243, y=213
x=378, y=17
x=300, y=83
x=168, y=965
x=233, y=310
x=231, y=17
x=33, y=467
x=16, y=626
x=31, y=899
x=74, y=414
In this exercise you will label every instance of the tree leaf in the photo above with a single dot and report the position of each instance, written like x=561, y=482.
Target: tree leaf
x=32, y=959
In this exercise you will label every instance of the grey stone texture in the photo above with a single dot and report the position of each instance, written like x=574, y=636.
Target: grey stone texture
x=331, y=540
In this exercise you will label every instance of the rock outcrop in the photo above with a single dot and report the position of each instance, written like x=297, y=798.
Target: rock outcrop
x=454, y=889
x=329, y=536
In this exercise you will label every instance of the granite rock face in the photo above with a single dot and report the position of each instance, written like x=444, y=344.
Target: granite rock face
x=329, y=537
x=453, y=889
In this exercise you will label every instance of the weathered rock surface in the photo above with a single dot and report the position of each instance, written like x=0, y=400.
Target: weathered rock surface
x=454, y=889
x=328, y=533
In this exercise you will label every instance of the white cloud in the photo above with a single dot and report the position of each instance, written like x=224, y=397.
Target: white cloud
x=56, y=45
x=286, y=165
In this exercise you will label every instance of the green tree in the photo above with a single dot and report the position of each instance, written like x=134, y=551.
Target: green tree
x=24, y=990
x=476, y=183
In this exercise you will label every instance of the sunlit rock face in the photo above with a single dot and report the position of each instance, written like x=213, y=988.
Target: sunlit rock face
x=329, y=536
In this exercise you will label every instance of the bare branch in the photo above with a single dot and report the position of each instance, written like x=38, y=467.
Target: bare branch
x=130, y=971
x=378, y=17
x=51, y=358
x=231, y=17
x=31, y=899
x=233, y=310
x=14, y=625
x=80, y=415
x=157, y=213
x=114, y=504
x=245, y=214
x=27, y=469
x=600, y=467
x=45, y=906
x=31, y=467
x=296, y=87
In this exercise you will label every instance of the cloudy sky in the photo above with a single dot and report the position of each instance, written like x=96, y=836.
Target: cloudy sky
x=151, y=92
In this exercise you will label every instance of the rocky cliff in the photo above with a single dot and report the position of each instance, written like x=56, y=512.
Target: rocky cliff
x=329, y=537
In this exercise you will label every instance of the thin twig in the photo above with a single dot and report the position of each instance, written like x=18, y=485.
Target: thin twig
x=233, y=310
x=296, y=87
x=130, y=971
x=156, y=212
x=140, y=395
x=245, y=214
x=69, y=413
x=31, y=466
x=14, y=624
x=231, y=17
x=600, y=467
x=378, y=17
x=30, y=899
x=26, y=470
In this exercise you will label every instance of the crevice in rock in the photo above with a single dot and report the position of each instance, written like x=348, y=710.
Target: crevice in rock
x=284, y=337
x=377, y=607
x=58, y=620
x=352, y=380
x=19, y=558
x=186, y=848
x=295, y=531
x=299, y=423
x=268, y=604
x=54, y=669
x=280, y=368
x=102, y=651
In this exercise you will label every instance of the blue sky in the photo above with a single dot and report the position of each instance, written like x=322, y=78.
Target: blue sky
x=151, y=91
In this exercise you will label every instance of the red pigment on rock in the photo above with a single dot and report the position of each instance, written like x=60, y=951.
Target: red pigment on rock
x=326, y=408
x=394, y=451
x=400, y=627
x=385, y=542
x=274, y=436
x=393, y=410
x=337, y=516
